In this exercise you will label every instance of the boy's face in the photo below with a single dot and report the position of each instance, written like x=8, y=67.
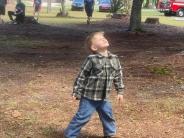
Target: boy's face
x=99, y=43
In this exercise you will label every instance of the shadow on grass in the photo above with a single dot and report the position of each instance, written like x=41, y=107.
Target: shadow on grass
x=52, y=132
x=70, y=17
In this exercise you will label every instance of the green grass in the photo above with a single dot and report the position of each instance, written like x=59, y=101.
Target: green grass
x=159, y=70
x=78, y=17
x=163, y=19
x=21, y=42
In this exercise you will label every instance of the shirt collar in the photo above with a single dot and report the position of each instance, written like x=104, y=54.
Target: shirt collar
x=101, y=56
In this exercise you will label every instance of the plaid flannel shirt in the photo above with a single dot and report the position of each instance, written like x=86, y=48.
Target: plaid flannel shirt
x=96, y=77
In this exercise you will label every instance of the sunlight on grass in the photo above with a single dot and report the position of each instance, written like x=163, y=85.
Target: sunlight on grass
x=21, y=42
x=75, y=17
x=169, y=105
x=79, y=17
x=163, y=19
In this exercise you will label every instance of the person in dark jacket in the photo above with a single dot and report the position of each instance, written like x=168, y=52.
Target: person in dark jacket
x=89, y=8
x=2, y=8
x=19, y=13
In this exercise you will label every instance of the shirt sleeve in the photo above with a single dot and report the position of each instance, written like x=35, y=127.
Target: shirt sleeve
x=82, y=77
x=118, y=79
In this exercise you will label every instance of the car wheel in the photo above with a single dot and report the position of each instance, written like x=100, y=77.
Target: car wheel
x=180, y=13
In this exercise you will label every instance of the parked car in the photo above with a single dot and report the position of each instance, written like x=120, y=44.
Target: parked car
x=77, y=5
x=104, y=5
x=171, y=7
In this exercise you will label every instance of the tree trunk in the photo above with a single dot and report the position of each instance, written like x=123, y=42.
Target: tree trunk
x=135, y=19
x=147, y=4
x=63, y=8
x=49, y=6
x=150, y=4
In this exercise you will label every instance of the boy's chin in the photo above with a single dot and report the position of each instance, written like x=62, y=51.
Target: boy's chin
x=106, y=46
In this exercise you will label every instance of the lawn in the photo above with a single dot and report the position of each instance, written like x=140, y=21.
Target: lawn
x=79, y=17
x=163, y=19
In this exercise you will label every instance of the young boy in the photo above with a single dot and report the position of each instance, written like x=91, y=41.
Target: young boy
x=93, y=86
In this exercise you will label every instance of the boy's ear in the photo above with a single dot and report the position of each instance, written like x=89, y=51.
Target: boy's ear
x=93, y=48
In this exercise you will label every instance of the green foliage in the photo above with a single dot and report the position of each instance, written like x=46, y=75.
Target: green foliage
x=160, y=70
x=116, y=5
x=121, y=5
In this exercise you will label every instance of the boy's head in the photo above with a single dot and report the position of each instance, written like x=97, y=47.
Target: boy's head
x=96, y=42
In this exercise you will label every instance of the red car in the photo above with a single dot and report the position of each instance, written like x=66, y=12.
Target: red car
x=171, y=7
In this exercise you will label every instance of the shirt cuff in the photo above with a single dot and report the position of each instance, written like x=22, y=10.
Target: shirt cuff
x=77, y=95
x=120, y=91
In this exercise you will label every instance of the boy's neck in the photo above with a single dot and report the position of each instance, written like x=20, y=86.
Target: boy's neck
x=103, y=53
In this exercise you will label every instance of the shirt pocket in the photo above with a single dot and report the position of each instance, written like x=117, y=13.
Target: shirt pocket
x=113, y=70
x=97, y=70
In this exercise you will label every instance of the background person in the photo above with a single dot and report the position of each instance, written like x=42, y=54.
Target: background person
x=19, y=13
x=37, y=7
x=2, y=8
x=89, y=8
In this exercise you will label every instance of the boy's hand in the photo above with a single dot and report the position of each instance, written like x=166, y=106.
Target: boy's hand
x=75, y=98
x=120, y=99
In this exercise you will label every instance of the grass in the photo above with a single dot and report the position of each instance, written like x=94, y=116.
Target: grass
x=163, y=19
x=21, y=42
x=160, y=70
x=79, y=17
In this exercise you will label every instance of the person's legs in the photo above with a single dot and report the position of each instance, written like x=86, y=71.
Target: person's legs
x=20, y=18
x=11, y=14
x=87, y=10
x=107, y=119
x=36, y=13
x=83, y=115
x=2, y=12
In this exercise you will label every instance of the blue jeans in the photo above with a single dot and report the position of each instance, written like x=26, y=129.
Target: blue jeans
x=86, y=109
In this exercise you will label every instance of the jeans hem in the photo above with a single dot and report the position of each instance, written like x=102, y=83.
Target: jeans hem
x=110, y=134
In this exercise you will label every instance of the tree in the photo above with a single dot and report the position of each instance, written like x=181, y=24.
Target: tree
x=116, y=5
x=147, y=4
x=63, y=12
x=127, y=6
x=135, y=18
x=120, y=5
x=49, y=3
x=63, y=8
x=150, y=3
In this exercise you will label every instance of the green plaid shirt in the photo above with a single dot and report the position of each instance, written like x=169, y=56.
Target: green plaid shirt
x=96, y=77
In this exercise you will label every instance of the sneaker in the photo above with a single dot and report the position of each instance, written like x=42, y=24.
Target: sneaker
x=88, y=22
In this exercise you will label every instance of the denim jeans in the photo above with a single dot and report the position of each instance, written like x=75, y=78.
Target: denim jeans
x=86, y=109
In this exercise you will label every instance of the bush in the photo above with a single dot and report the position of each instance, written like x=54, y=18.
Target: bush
x=123, y=6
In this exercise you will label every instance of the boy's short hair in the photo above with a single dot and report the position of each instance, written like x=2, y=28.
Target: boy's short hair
x=88, y=41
